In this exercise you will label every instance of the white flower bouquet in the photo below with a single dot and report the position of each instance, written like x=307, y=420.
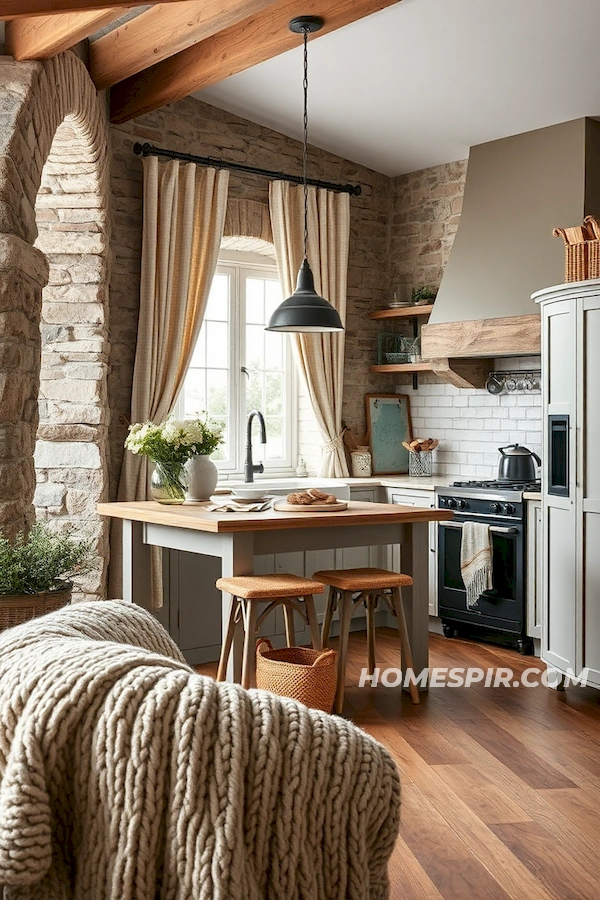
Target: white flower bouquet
x=170, y=445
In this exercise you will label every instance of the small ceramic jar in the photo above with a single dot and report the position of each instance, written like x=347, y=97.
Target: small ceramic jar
x=361, y=463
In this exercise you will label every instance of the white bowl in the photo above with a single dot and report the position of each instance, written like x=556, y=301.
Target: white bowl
x=249, y=493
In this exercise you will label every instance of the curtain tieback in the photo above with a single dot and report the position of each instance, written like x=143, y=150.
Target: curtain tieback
x=334, y=444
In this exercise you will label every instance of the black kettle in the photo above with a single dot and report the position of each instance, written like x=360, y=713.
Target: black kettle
x=517, y=463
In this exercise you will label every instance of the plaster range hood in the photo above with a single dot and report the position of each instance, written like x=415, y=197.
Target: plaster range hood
x=517, y=190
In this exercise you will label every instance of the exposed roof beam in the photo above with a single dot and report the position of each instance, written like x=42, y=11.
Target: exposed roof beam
x=41, y=37
x=252, y=41
x=160, y=32
x=22, y=9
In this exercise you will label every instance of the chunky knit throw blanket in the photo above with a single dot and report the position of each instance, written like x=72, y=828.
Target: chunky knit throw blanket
x=126, y=776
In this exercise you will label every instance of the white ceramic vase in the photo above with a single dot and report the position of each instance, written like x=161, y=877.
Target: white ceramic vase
x=202, y=477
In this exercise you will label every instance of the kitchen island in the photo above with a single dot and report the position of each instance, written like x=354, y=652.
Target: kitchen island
x=237, y=538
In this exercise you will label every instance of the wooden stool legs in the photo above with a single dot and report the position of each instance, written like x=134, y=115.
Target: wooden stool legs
x=290, y=631
x=371, y=603
x=234, y=613
x=405, y=649
x=248, y=611
x=250, y=635
x=346, y=602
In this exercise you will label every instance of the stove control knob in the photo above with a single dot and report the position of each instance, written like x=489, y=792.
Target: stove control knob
x=443, y=501
x=495, y=507
x=452, y=504
x=509, y=509
x=462, y=504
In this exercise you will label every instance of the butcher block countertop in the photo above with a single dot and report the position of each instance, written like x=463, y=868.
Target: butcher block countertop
x=198, y=518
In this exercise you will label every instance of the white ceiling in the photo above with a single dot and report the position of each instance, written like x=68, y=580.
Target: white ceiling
x=417, y=84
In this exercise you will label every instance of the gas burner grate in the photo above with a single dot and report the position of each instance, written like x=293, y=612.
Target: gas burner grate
x=495, y=485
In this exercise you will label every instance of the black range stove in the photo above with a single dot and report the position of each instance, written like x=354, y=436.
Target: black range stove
x=498, y=504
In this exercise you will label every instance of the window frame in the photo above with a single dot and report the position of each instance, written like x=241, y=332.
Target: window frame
x=239, y=266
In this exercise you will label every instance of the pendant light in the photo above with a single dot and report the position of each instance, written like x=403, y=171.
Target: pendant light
x=305, y=310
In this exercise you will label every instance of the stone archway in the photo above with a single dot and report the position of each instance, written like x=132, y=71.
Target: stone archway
x=53, y=272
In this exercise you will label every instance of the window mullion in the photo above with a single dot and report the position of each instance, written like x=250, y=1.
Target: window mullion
x=239, y=337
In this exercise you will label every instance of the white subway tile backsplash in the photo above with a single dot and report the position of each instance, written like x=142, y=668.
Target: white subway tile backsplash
x=472, y=424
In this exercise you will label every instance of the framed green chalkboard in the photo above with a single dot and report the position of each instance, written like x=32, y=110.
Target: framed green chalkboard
x=388, y=424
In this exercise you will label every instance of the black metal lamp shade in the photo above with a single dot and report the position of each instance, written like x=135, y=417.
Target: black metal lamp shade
x=305, y=311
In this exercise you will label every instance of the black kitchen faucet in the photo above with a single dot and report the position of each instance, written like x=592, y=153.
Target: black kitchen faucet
x=250, y=468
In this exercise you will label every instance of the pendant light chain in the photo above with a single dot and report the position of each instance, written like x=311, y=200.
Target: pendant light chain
x=305, y=142
x=305, y=310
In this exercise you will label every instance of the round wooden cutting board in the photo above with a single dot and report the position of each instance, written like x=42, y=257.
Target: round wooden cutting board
x=284, y=506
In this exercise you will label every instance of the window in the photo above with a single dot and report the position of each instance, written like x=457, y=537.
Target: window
x=237, y=366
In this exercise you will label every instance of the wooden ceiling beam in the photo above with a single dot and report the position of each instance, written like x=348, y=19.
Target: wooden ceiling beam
x=23, y=9
x=161, y=32
x=41, y=37
x=256, y=39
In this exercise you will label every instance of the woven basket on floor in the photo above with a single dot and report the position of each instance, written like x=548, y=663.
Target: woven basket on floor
x=18, y=608
x=308, y=676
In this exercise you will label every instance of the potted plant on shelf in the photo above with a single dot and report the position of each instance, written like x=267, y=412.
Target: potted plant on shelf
x=36, y=572
x=423, y=295
x=180, y=451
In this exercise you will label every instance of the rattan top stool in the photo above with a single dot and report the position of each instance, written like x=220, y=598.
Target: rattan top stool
x=348, y=588
x=293, y=593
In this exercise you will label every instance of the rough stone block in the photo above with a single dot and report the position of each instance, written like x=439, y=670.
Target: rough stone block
x=74, y=413
x=49, y=495
x=75, y=293
x=84, y=313
x=50, y=242
x=68, y=455
x=73, y=391
x=89, y=433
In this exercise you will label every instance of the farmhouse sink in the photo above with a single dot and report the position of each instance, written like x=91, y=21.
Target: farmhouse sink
x=282, y=486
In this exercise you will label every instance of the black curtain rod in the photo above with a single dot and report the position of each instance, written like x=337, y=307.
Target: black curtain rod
x=148, y=150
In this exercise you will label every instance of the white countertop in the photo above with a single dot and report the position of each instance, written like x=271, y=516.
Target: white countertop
x=401, y=481
x=406, y=482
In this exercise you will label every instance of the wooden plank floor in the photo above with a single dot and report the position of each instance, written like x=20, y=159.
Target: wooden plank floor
x=500, y=786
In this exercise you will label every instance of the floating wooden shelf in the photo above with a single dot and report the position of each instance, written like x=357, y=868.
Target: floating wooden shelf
x=424, y=366
x=462, y=373
x=403, y=312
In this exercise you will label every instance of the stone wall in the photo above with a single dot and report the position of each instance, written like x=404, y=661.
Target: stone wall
x=72, y=437
x=192, y=126
x=424, y=220
x=51, y=117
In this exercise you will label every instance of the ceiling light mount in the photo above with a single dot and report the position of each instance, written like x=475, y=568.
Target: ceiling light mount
x=306, y=24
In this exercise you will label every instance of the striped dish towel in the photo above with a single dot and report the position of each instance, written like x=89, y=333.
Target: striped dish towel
x=476, y=560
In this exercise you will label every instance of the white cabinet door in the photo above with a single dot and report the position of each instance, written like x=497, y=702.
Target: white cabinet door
x=561, y=612
x=534, y=568
x=194, y=604
x=369, y=495
x=424, y=499
x=589, y=486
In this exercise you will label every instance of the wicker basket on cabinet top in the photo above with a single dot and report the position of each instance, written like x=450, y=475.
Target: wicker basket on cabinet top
x=582, y=250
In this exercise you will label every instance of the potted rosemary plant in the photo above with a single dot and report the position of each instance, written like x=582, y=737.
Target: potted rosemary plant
x=36, y=572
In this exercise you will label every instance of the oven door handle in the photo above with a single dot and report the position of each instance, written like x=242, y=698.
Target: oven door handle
x=495, y=529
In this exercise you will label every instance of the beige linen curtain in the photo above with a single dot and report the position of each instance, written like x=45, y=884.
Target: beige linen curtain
x=319, y=357
x=184, y=213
